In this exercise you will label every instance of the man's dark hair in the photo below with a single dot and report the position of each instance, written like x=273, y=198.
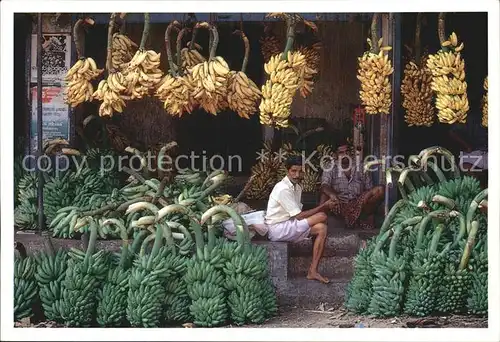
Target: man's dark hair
x=293, y=161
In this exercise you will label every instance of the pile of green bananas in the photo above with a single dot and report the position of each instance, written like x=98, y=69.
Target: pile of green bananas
x=433, y=231
x=25, y=286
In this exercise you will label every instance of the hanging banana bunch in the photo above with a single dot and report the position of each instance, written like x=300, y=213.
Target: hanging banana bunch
x=79, y=87
x=269, y=44
x=313, y=57
x=110, y=90
x=190, y=54
x=416, y=88
x=484, y=121
x=243, y=93
x=143, y=73
x=124, y=48
x=448, y=78
x=374, y=69
x=211, y=77
x=176, y=87
x=283, y=82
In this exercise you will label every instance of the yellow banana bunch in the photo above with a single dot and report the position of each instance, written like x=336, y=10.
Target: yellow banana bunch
x=306, y=74
x=108, y=91
x=448, y=81
x=269, y=46
x=373, y=72
x=243, y=94
x=222, y=199
x=484, y=120
x=123, y=51
x=279, y=89
x=263, y=182
x=143, y=74
x=191, y=57
x=210, y=80
x=78, y=87
x=310, y=182
x=417, y=95
x=175, y=92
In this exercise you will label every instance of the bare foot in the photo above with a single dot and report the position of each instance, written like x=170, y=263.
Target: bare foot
x=317, y=276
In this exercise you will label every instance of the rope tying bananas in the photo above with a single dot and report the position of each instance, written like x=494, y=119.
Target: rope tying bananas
x=243, y=93
x=176, y=87
x=416, y=88
x=374, y=69
x=448, y=79
x=78, y=78
x=211, y=78
x=484, y=120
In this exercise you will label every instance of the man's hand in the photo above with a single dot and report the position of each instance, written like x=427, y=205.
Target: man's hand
x=331, y=205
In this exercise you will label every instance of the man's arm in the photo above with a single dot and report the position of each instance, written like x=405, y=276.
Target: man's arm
x=367, y=178
x=287, y=200
x=326, y=180
x=311, y=212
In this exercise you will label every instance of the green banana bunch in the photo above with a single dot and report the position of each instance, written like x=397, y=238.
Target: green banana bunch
x=477, y=298
x=80, y=286
x=25, y=286
x=359, y=290
x=146, y=292
x=50, y=274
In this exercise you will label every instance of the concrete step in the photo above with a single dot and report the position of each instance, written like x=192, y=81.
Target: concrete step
x=331, y=267
x=341, y=244
x=310, y=293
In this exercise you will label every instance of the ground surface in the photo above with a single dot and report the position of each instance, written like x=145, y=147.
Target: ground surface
x=325, y=317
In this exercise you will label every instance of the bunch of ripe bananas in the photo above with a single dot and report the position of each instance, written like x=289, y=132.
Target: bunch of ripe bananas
x=280, y=88
x=109, y=92
x=175, y=93
x=269, y=46
x=484, y=121
x=79, y=88
x=175, y=90
x=313, y=57
x=373, y=72
x=191, y=57
x=243, y=93
x=143, y=74
x=123, y=51
x=310, y=180
x=417, y=95
x=210, y=78
x=448, y=81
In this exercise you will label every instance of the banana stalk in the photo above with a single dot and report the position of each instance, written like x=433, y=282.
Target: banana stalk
x=428, y=152
x=473, y=207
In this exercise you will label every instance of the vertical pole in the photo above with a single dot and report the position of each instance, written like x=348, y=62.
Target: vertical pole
x=39, y=122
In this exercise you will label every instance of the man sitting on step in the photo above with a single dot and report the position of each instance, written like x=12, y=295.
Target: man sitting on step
x=288, y=223
x=346, y=184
